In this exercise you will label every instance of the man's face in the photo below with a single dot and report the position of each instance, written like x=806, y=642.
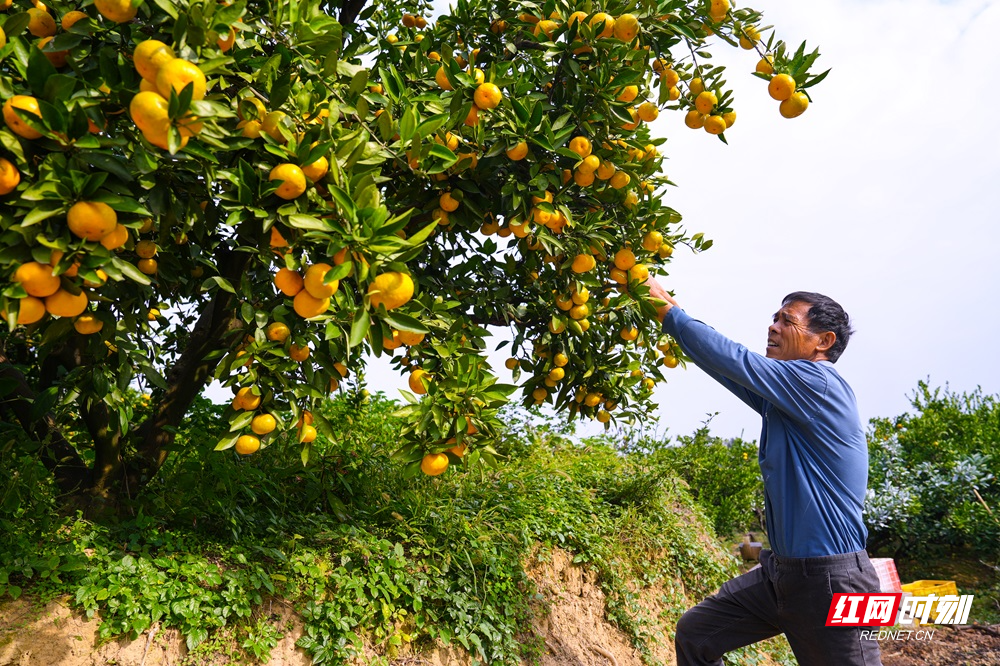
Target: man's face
x=789, y=337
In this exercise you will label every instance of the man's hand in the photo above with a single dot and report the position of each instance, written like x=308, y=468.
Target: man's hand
x=659, y=295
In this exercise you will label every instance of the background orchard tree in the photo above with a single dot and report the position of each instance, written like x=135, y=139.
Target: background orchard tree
x=263, y=193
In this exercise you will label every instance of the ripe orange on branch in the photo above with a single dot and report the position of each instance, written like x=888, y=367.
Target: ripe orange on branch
x=14, y=121
x=391, y=289
x=91, y=220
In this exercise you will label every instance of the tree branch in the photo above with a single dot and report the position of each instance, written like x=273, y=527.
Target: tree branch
x=350, y=10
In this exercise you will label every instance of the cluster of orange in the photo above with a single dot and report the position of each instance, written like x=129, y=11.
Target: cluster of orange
x=264, y=424
x=163, y=73
x=487, y=96
x=92, y=221
x=782, y=88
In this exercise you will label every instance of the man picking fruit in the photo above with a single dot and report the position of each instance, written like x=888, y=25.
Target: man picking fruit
x=814, y=460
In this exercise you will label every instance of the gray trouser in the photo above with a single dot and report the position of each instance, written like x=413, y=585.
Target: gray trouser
x=784, y=595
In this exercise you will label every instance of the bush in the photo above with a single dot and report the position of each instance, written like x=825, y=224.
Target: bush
x=362, y=552
x=933, y=475
x=723, y=476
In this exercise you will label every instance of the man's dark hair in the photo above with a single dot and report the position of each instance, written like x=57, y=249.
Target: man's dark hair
x=825, y=314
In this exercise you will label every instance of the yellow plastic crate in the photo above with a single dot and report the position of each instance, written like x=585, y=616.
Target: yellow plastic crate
x=922, y=588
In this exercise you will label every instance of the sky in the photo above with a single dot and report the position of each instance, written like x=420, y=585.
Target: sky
x=884, y=195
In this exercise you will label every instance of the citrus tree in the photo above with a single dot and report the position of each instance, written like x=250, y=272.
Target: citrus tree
x=267, y=193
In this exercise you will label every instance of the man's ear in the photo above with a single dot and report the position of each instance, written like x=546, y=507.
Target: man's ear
x=826, y=340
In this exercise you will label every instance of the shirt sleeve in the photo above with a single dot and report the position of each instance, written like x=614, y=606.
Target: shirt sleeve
x=794, y=387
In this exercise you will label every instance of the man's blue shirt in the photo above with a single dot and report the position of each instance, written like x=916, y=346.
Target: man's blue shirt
x=813, y=453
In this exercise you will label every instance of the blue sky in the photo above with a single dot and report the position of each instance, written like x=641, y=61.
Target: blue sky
x=883, y=195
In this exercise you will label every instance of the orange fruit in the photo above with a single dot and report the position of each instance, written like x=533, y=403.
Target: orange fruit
x=307, y=306
x=518, y=152
x=247, y=444
x=697, y=86
x=30, y=310
x=639, y=272
x=628, y=93
x=57, y=58
x=315, y=171
x=441, y=77
x=69, y=19
x=794, y=106
x=409, y=338
x=706, y=101
x=418, y=381
x=297, y=353
x=629, y=334
x=118, y=11
x=149, y=111
x=117, y=238
x=606, y=170
x=648, y=112
x=583, y=178
x=146, y=249
x=91, y=220
x=589, y=164
x=781, y=87
x=246, y=399
x=9, y=176
x=472, y=118
x=37, y=279
x=765, y=65
x=434, y=464
x=715, y=124
x=64, y=304
x=288, y=281
x=546, y=26
x=487, y=96
x=250, y=128
x=581, y=146
x=730, y=118
x=14, y=122
x=175, y=75
x=635, y=119
x=149, y=56
x=448, y=203
x=87, y=324
x=670, y=360
x=626, y=27
x=314, y=281
x=620, y=180
x=459, y=450
x=651, y=241
x=583, y=263
x=307, y=433
x=225, y=42
x=391, y=290
x=293, y=180
x=277, y=332
x=539, y=394
x=262, y=424
x=624, y=259
x=41, y=23
x=271, y=124
x=251, y=102
x=607, y=20
x=147, y=266
x=694, y=119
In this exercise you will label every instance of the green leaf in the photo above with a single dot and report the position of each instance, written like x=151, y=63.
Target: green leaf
x=16, y=24
x=240, y=420
x=404, y=322
x=300, y=221
x=218, y=281
x=359, y=328
x=227, y=442
x=130, y=271
x=407, y=124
